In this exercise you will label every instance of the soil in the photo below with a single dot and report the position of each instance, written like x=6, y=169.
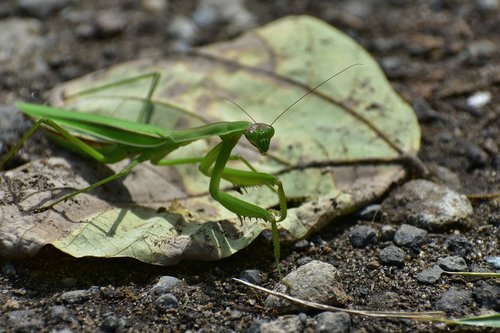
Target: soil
x=436, y=54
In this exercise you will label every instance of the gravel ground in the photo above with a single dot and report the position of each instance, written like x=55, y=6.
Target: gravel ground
x=441, y=56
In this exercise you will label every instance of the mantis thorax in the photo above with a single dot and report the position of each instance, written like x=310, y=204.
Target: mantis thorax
x=259, y=135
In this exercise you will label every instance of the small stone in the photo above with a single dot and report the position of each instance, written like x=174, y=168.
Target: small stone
x=493, y=261
x=445, y=176
x=392, y=256
x=369, y=213
x=75, y=296
x=453, y=264
x=167, y=301
x=387, y=233
x=24, y=320
x=282, y=324
x=41, y=8
x=363, y=235
x=155, y=6
x=478, y=100
x=182, y=28
x=430, y=275
x=488, y=5
x=333, y=322
x=60, y=313
x=110, y=22
x=165, y=285
x=428, y=206
x=454, y=300
x=251, y=275
x=373, y=264
x=315, y=281
x=487, y=295
x=410, y=236
x=301, y=245
x=304, y=260
x=112, y=323
x=459, y=246
x=476, y=156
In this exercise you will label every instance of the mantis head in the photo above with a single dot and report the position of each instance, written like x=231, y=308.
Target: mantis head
x=259, y=135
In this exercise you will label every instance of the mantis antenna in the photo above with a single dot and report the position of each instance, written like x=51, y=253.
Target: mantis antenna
x=312, y=90
x=239, y=107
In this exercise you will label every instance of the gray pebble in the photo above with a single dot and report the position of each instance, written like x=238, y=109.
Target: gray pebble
x=182, y=28
x=316, y=282
x=454, y=300
x=281, y=325
x=110, y=22
x=167, y=301
x=369, y=213
x=301, y=245
x=410, y=236
x=24, y=320
x=59, y=313
x=333, y=322
x=75, y=296
x=363, y=235
x=493, y=261
x=112, y=323
x=487, y=295
x=387, y=233
x=392, y=256
x=453, y=264
x=430, y=275
x=459, y=246
x=251, y=275
x=476, y=156
x=304, y=260
x=427, y=205
x=41, y=8
x=165, y=285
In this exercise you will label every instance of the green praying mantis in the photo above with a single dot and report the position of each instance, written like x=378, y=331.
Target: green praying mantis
x=107, y=140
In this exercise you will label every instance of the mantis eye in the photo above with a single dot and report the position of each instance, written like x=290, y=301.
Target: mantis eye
x=259, y=135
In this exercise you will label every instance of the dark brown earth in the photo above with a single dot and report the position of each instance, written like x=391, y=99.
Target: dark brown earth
x=436, y=54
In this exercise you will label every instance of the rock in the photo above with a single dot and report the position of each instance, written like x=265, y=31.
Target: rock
x=430, y=275
x=9, y=270
x=167, y=301
x=427, y=205
x=459, y=246
x=24, y=320
x=454, y=300
x=315, y=281
x=251, y=275
x=333, y=322
x=75, y=296
x=304, y=260
x=41, y=8
x=453, y=264
x=182, y=28
x=60, y=313
x=392, y=256
x=478, y=100
x=363, y=235
x=23, y=46
x=493, y=261
x=301, y=245
x=283, y=324
x=112, y=323
x=476, y=156
x=410, y=236
x=165, y=285
x=368, y=213
x=445, y=177
x=487, y=295
x=110, y=23
x=155, y=6
x=387, y=233
x=233, y=13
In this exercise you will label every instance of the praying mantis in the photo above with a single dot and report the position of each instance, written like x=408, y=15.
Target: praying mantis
x=108, y=140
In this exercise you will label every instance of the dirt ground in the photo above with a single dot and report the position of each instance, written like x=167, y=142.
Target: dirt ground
x=436, y=53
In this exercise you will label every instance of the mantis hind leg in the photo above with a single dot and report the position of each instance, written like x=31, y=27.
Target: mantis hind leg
x=78, y=144
x=147, y=108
